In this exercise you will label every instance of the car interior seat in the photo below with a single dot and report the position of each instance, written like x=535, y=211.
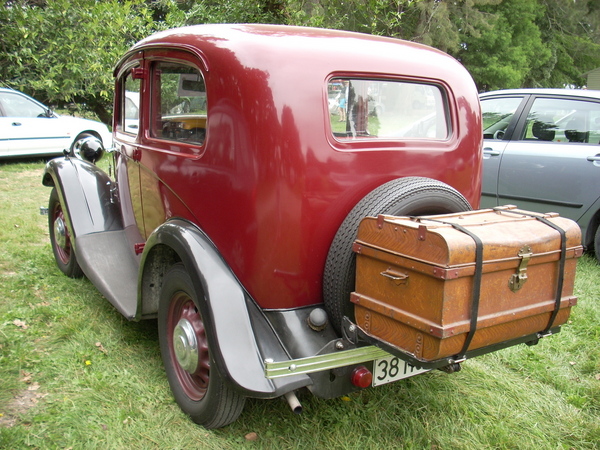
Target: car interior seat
x=576, y=131
x=543, y=131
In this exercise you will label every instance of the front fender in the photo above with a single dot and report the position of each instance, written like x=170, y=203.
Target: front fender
x=238, y=333
x=85, y=193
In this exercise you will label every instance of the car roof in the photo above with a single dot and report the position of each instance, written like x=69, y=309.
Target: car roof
x=587, y=93
x=280, y=48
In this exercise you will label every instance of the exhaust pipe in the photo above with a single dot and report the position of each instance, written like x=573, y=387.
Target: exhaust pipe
x=293, y=402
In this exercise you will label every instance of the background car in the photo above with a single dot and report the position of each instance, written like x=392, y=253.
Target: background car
x=542, y=153
x=27, y=127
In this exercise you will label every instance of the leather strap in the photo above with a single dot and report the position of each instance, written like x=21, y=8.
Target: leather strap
x=477, y=277
x=561, y=264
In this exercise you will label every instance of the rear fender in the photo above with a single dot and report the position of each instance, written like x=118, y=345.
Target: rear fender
x=85, y=192
x=238, y=332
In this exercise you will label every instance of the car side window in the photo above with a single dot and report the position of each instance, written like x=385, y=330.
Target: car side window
x=14, y=105
x=130, y=104
x=563, y=121
x=386, y=109
x=178, y=103
x=497, y=113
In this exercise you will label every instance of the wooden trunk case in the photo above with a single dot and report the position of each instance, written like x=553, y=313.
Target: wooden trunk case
x=415, y=279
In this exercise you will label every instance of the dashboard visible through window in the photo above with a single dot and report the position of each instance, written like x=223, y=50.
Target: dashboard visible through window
x=178, y=103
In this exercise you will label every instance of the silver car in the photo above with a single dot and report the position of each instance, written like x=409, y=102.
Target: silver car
x=27, y=127
x=541, y=152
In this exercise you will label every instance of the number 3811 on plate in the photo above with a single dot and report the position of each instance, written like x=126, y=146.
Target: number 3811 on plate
x=386, y=370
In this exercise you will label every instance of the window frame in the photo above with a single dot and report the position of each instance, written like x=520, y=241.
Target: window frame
x=172, y=145
x=378, y=142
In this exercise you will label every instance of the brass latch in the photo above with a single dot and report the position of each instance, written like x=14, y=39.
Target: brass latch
x=517, y=280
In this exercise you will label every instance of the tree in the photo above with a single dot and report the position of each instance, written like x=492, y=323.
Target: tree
x=381, y=17
x=63, y=51
x=234, y=11
x=571, y=32
x=70, y=47
x=503, y=53
x=503, y=43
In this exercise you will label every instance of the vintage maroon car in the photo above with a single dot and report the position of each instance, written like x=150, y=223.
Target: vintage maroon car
x=244, y=158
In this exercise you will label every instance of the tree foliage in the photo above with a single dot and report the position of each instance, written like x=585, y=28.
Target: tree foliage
x=63, y=50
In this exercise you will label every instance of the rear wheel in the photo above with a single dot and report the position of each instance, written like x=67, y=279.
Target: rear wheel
x=411, y=196
x=60, y=238
x=195, y=381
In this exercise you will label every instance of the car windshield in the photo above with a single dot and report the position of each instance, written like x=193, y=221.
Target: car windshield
x=385, y=109
x=15, y=105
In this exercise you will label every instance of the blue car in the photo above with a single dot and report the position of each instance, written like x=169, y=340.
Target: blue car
x=542, y=153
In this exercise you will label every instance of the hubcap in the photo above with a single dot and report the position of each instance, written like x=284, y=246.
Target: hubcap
x=185, y=346
x=60, y=232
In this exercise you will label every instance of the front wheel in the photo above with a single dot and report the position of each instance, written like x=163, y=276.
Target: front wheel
x=195, y=381
x=60, y=238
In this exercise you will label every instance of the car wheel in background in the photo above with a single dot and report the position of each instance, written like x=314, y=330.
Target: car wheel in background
x=597, y=243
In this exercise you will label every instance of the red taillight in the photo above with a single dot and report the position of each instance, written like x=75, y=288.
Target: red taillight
x=361, y=377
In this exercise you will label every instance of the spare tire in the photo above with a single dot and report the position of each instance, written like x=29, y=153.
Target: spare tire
x=411, y=196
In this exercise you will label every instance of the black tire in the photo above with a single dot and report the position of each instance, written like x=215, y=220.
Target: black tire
x=60, y=238
x=597, y=243
x=195, y=381
x=411, y=196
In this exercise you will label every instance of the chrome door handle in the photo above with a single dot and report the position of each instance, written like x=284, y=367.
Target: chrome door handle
x=490, y=151
x=594, y=158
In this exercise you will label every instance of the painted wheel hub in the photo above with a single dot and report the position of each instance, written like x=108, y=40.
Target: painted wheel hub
x=60, y=232
x=185, y=346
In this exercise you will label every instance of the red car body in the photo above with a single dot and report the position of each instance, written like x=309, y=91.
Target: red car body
x=234, y=188
x=271, y=185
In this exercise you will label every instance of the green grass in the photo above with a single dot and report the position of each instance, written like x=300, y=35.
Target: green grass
x=75, y=374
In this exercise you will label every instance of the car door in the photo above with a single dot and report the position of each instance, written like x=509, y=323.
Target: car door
x=500, y=116
x=127, y=129
x=552, y=162
x=28, y=127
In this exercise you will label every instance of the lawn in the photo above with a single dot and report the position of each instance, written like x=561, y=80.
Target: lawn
x=75, y=374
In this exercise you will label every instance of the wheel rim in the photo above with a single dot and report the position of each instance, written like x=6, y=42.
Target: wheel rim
x=188, y=346
x=62, y=240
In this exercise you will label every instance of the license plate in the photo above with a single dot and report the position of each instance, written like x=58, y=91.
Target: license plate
x=386, y=370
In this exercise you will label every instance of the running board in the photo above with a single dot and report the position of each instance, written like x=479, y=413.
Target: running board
x=108, y=262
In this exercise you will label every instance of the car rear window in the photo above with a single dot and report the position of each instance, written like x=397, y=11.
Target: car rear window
x=386, y=109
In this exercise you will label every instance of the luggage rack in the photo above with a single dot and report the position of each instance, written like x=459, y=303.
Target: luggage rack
x=355, y=334
x=361, y=347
